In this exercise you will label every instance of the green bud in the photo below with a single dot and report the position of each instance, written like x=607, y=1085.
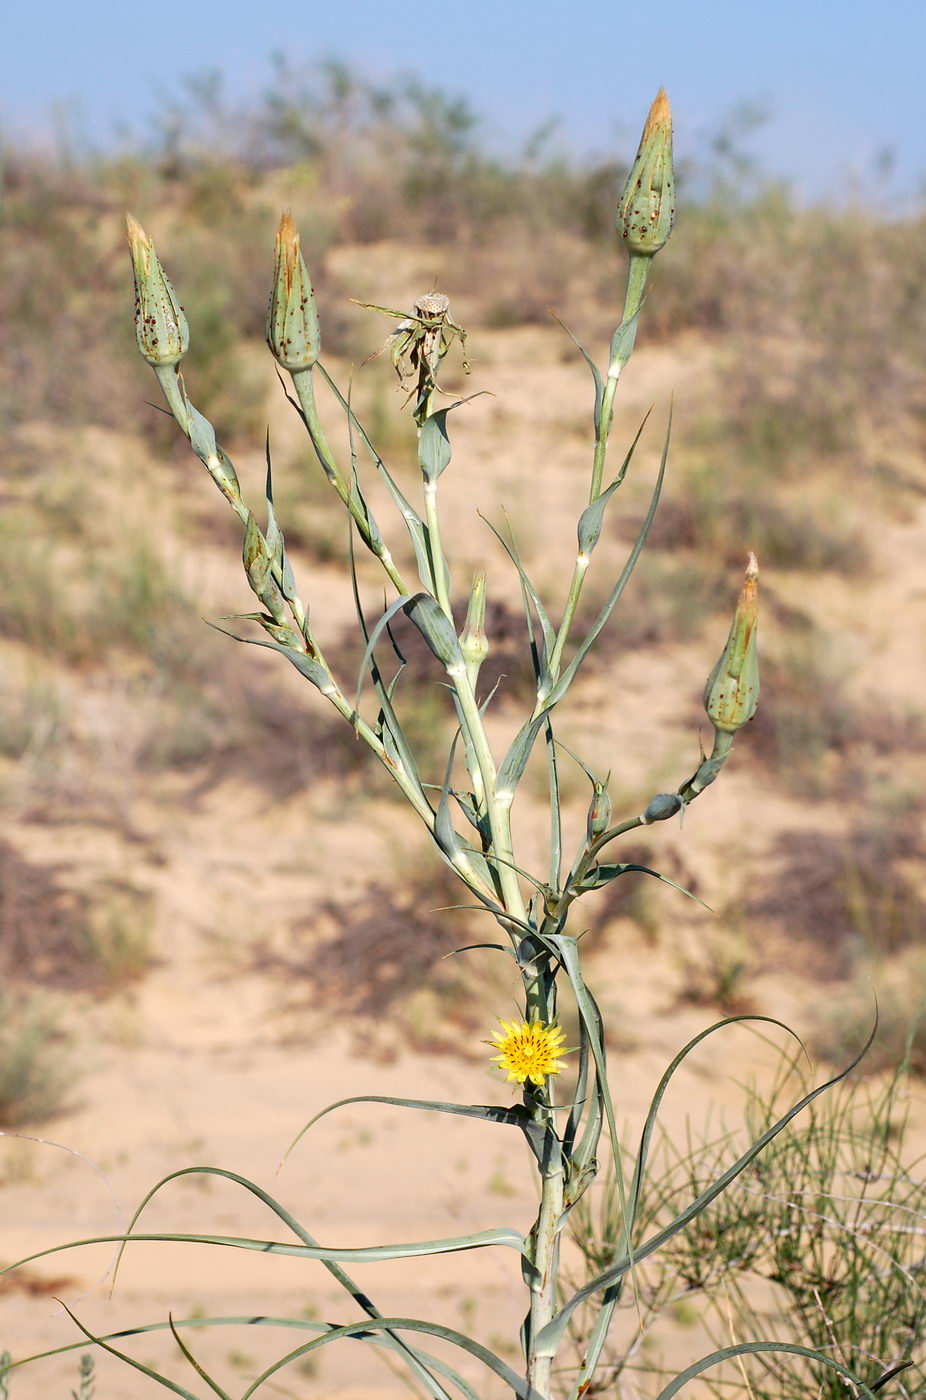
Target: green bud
x=292, y=318
x=661, y=807
x=732, y=691
x=474, y=644
x=258, y=565
x=599, y=812
x=646, y=212
x=160, y=325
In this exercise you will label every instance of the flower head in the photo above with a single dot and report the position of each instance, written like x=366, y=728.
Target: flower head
x=732, y=691
x=292, y=318
x=160, y=325
x=529, y=1050
x=647, y=209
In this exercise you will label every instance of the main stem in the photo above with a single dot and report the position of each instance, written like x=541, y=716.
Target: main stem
x=546, y=1262
x=621, y=350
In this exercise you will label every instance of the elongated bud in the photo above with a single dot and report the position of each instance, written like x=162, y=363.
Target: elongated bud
x=732, y=691
x=258, y=565
x=646, y=212
x=160, y=325
x=599, y=812
x=474, y=643
x=292, y=318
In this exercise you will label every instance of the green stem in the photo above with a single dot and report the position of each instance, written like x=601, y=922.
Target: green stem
x=621, y=350
x=438, y=571
x=499, y=813
x=545, y=1259
x=305, y=391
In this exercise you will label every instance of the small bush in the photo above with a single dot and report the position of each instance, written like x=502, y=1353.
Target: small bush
x=35, y=1060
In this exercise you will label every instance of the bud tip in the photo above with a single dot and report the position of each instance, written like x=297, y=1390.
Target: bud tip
x=660, y=114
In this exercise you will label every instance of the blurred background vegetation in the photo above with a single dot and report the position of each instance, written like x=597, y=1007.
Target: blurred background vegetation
x=801, y=331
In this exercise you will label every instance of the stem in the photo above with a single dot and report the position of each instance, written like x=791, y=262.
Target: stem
x=621, y=350
x=546, y=1261
x=305, y=390
x=580, y=569
x=499, y=813
x=438, y=572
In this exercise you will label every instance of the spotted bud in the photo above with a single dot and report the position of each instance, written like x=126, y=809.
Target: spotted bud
x=160, y=325
x=292, y=317
x=732, y=691
x=646, y=212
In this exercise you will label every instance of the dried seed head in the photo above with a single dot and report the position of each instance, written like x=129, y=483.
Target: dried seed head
x=732, y=691
x=646, y=212
x=292, y=317
x=432, y=305
x=160, y=325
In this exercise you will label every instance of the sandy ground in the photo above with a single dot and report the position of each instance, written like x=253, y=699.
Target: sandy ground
x=210, y=1060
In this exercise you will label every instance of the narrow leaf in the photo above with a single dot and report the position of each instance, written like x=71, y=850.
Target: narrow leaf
x=596, y=374
x=566, y=679
x=590, y=521
x=511, y=549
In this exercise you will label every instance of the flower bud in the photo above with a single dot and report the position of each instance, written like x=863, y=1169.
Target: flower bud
x=292, y=318
x=160, y=325
x=599, y=812
x=661, y=807
x=646, y=212
x=258, y=565
x=732, y=691
x=474, y=644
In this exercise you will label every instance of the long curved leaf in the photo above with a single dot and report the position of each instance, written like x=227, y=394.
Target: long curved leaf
x=130, y=1360
x=602, y=1324
x=360, y=1296
x=365, y=1254
x=753, y=1348
x=521, y=1388
x=552, y=1333
x=516, y=1117
x=387, y=1341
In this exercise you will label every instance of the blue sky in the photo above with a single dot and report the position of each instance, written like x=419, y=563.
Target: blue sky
x=843, y=81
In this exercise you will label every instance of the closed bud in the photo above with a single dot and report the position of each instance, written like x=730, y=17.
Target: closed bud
x=474, y=644
x=599, y=812
x=661, y=807
x=160, y=325
x=258, y=566
x=646, y=212
x=292, y=318
x=732, y=691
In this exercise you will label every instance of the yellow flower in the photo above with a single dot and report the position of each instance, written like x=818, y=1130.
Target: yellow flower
x=528, y=1051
